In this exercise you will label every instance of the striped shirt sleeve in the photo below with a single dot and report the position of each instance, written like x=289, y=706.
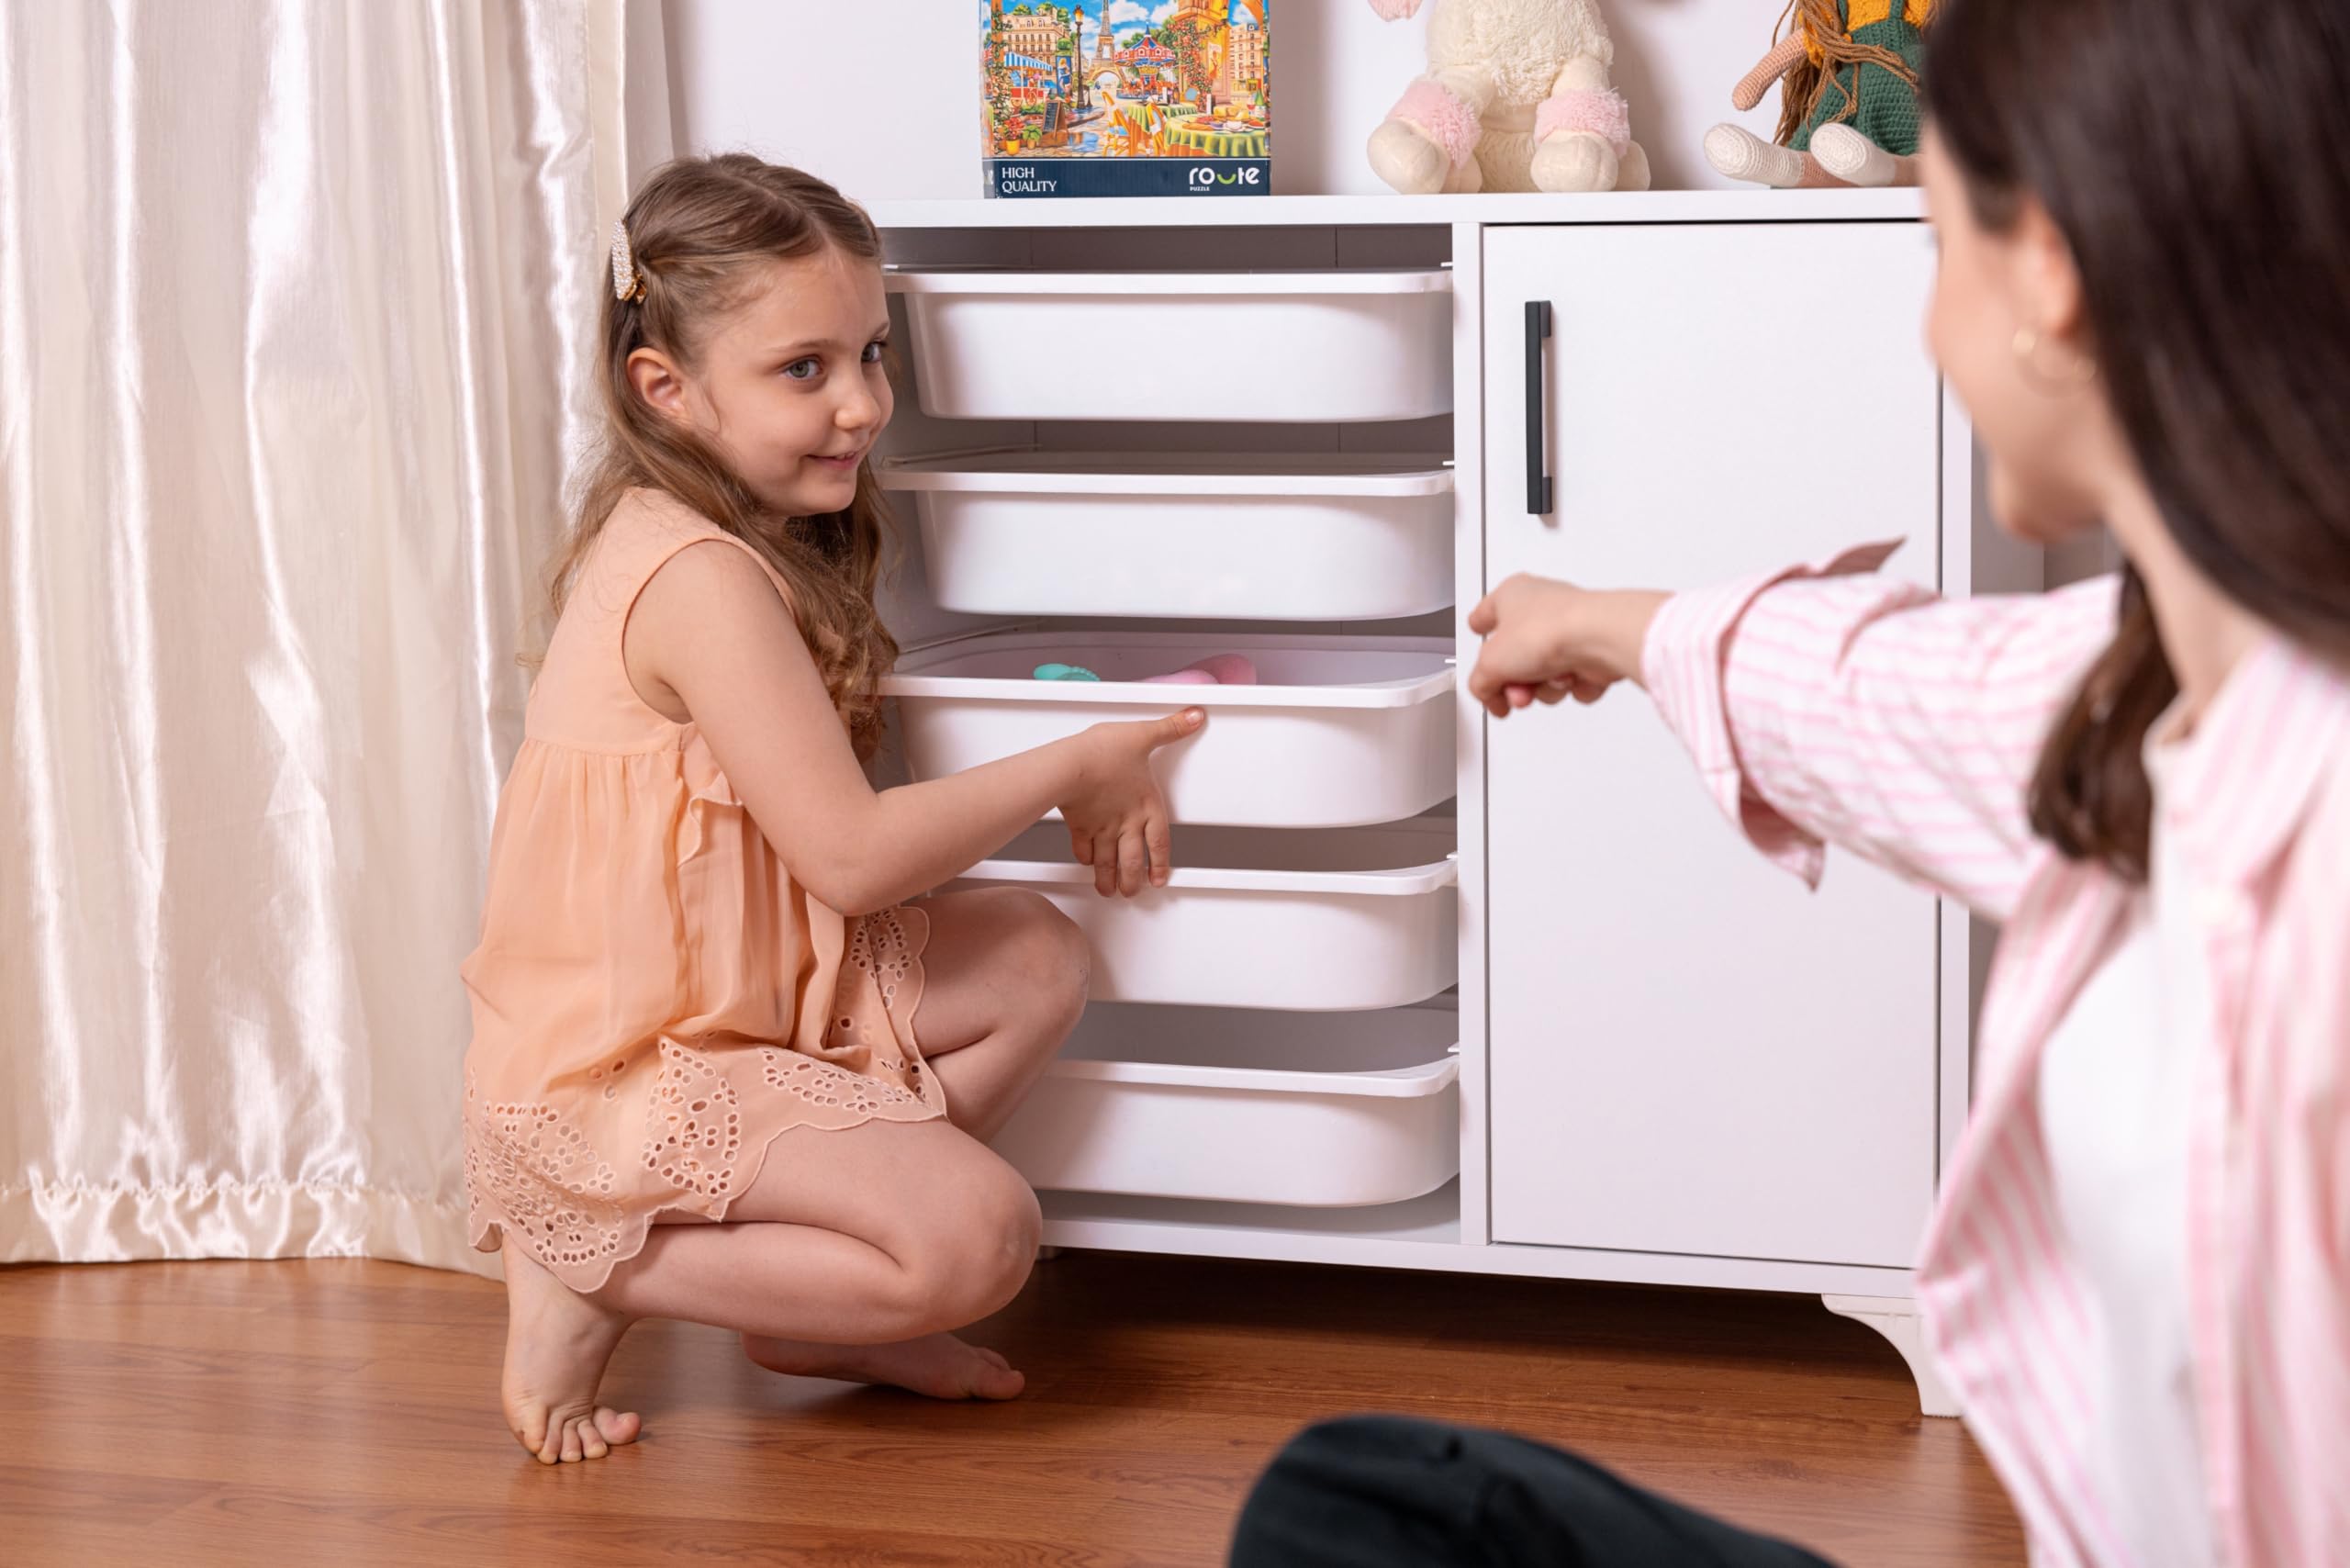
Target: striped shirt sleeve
x=1833, y=705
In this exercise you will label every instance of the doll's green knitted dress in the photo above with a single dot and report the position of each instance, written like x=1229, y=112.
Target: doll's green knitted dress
x=1889, y=114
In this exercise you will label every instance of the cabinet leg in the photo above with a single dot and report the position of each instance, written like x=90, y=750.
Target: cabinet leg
x=1896, y=1318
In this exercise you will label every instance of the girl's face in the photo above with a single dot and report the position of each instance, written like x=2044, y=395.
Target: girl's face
x=789, y=385
x=2043, y=422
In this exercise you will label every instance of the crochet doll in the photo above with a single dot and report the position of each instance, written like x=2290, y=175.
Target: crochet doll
x=1848, y=98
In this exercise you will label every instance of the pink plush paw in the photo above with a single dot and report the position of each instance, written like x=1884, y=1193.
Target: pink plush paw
x=1394, y=10
x=1600, y=111
x=1441, y=115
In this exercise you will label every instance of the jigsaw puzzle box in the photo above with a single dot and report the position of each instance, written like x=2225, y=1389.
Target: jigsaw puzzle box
x=1126, y=97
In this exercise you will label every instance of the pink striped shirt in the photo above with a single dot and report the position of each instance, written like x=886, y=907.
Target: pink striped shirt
x=1828, y=706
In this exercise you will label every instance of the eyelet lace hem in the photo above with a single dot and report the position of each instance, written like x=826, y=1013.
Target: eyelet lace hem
x=708, y=1117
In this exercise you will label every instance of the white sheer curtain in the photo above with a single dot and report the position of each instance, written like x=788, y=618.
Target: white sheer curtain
x=295, y=316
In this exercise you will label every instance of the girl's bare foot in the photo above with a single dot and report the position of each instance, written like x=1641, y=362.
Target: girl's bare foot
x=939, y=1365
x=557, y=1344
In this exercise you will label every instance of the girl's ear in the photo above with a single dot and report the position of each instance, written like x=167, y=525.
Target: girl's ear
x=659, y=383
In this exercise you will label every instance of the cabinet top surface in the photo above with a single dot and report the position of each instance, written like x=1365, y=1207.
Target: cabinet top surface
x=1392, y=211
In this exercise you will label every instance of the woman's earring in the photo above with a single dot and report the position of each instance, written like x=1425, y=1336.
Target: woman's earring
x=2027, y=348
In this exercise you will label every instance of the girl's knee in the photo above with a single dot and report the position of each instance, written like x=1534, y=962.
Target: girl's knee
x=976, y=1252
x=1007, y=1226
x=1050, y=950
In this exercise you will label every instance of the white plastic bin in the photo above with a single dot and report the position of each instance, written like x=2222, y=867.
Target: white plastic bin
x=1241, y=1107
x=1306, y=347
x=1231, y=536
x=1341, y=732
x=1347, y=920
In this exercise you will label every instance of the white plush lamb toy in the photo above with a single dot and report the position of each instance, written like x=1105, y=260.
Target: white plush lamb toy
x=1517, y=98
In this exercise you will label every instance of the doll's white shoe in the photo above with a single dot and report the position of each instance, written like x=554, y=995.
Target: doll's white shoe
x=1853, y=158
x=1738, y=154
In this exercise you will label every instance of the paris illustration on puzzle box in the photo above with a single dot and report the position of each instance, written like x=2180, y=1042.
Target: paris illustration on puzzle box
x=1127, y=97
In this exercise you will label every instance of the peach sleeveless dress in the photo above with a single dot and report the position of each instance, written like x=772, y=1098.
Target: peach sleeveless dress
x=653, y=998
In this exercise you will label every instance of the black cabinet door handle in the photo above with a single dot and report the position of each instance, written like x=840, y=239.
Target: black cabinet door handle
x=1537, y=483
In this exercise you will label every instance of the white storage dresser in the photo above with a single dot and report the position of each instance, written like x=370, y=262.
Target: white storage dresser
x=1180, y=535
x=1205, y=346
x=1304, y=922
x=1341, y=732
x=1239, y=1107
x=1426, y=991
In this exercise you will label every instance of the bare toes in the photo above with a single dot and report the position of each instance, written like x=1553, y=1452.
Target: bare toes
x=616, y=1427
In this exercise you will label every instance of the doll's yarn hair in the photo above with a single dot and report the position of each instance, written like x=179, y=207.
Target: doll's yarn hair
x=1827, y=48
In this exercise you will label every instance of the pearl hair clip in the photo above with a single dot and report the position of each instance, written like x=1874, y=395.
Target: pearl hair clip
x=627, y=281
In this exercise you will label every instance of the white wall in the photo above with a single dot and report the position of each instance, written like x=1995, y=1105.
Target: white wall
x=652, y=121
x=882, y=96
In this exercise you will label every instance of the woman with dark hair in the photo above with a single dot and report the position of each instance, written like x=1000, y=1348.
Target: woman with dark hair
x=2137, y=1281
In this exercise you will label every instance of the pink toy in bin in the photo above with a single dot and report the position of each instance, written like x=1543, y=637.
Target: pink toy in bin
x=1217, y=669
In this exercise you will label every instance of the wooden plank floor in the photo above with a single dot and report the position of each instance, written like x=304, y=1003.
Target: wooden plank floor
x=165, y=1413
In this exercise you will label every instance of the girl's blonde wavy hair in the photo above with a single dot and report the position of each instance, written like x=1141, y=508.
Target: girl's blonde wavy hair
x=699, y=230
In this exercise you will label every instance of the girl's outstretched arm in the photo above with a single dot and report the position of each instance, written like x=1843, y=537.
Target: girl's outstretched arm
x=709, y=639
